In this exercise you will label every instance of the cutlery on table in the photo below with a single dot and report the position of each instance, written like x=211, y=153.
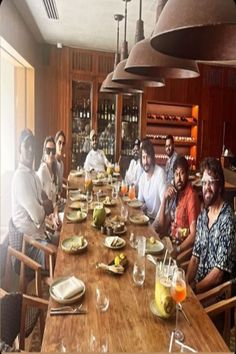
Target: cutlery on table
x=115, y=269
x=68, y=311
x=184, y=314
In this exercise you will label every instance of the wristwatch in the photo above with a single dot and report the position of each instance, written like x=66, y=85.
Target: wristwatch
x=178, y=249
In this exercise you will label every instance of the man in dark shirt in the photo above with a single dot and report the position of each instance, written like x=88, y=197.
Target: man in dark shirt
x=213, y=253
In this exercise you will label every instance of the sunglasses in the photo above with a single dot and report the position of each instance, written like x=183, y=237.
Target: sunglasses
x=50, y=150
x=61, y=142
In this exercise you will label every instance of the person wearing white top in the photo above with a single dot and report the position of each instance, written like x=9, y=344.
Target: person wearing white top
x=28, y=208
x=135, y=169
x=152, y=183
x=60, y=140
x=96, y=159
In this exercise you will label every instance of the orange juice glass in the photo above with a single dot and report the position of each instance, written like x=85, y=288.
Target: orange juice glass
x=124, y=188
x=88, y=184
x=117, y=168
x=131, y=193
x=178, y=292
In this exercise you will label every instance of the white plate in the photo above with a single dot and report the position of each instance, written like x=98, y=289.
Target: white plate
x=139, y=219
x=75, y=196
x=71, y=300
x=135, y=204
x=68, y=243
x=154, y=248
x=76, y=205
x=123, y=242
x=73, y=216
x=76, y=173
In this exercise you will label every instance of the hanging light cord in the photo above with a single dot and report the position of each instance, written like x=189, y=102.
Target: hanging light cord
x=125, y=20
x=140, y=9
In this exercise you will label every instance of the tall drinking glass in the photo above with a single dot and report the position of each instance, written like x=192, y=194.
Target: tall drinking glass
x=124, y=188
x=178, y=293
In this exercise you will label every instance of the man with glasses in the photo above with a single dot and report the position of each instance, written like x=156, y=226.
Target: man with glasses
x=152, y=183
x=28, y=207
x=179, y=209
x=213, y=253
x=96, y=159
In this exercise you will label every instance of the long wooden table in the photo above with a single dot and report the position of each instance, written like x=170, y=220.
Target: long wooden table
x=128, y=323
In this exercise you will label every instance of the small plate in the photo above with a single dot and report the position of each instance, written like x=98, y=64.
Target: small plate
x=76, y=205
x=72, y=299
x=76, y=216
x=126, y=198
x=76, y=173
x=76, y=196
x=121, y=232
x=110, y=238
x=140, y=219
x=111, y=203
x=69, y=245
x=116, y=174
x=135, y=204
x=154, y=248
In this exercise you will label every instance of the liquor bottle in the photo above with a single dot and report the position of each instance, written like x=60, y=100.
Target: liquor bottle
x=88, y=109
x=105, y=110
x=113, y=112
x=84, y=109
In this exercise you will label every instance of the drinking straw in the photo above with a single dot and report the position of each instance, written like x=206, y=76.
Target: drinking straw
x=168, y=269
x=164, y=260
x=171, y=341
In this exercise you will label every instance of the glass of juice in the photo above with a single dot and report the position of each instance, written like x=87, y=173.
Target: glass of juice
x=131, y=193
x=178, y=293
x=124, y=188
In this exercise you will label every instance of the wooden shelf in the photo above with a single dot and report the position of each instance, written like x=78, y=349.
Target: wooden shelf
x=170, y=122
x=177, y=143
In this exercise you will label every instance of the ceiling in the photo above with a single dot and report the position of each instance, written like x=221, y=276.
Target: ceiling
x=86, y=24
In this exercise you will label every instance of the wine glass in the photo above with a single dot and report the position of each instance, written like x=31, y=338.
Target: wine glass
x=98, y=345
x=114, y=193
x=124, y=213
x=178, y=293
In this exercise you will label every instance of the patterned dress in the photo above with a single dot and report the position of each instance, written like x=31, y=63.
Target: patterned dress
x=215, y=247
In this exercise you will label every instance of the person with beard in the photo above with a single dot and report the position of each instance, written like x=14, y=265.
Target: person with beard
x=152, y=183
x=172, y=156
x=213, y=254
x=135, y=169
x=60, y=140
x=179, y=209
x=96, y=159
x=29, y=208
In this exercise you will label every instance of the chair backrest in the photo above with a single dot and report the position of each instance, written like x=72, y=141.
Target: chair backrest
x=10, y=316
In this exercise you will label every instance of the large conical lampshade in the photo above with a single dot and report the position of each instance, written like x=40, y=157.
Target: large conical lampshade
x=123, y=77
x=144, y=60
x=108, y=84
x=197, y=29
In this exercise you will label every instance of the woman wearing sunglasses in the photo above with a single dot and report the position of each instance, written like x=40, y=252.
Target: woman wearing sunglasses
x=48, y=175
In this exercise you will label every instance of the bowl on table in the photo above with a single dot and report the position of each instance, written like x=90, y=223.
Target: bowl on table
x=74, y=244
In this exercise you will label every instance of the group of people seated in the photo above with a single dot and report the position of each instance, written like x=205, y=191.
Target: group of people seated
x=205, y=228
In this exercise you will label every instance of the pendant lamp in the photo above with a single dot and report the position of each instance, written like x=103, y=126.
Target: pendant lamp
x=197, y=29
x=112, y=87
x=144, y=60
x=123, y=77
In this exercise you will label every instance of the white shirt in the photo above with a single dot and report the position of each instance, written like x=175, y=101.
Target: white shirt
x=152, y=189
x=96, y=160
x=60, y=173
x=134, y=172
x=48, y=184
x=27, y=211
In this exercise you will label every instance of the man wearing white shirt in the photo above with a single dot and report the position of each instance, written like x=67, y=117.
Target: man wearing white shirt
x=152, y=183
x=28, y=207
x=96, y=159
x=135, y=169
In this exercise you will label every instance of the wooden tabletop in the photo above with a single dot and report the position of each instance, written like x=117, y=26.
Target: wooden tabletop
x=128, y=324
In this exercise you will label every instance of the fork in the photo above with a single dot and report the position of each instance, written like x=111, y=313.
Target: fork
x=68, y=307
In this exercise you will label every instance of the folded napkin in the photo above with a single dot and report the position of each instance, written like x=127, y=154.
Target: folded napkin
x=68, y=288
x=114, y=241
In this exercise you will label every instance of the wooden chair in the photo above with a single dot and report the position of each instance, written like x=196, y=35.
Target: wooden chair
x=225, y=305
x=15, y=319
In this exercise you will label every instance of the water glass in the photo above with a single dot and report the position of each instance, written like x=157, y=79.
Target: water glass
x=98, y=345
x=114, y=194
x=102, y=300
x=89, y=197
x=133, y=240
x=124, y=213
x=141, y=246
x=139, y=271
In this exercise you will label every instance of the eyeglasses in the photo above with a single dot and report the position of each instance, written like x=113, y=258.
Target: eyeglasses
x=50, y=150
x=61, y=142
x=209, y=182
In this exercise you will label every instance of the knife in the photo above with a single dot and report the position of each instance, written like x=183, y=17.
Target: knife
x=68, y=312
